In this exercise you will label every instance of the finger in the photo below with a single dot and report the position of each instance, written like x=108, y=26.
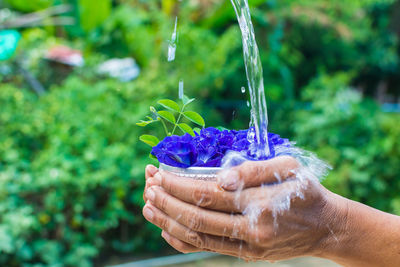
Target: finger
x=205, y=194
x=178, y=244
x=197, y=218
x=198, y=240
x=150, y=171
x=257, y=173
x=151, y=181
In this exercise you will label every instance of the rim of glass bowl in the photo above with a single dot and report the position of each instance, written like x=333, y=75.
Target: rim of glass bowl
x=198, y=173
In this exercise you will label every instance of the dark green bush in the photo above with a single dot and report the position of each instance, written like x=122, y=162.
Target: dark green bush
x=357, y=138
x=71, y=170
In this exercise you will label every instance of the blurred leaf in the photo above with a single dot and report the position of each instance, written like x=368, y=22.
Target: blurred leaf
x=197, y=130
x=221, y=128
x=89, y=20
x=169, y=104
x=186, y=101
x=167, y=115
x=186, y=128
x=194, y=117
x=143, y=123
x=149, y=140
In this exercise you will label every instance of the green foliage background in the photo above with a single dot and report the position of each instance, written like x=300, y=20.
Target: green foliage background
x=71, y=165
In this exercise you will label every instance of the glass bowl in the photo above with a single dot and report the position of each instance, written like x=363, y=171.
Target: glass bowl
x=197, y=173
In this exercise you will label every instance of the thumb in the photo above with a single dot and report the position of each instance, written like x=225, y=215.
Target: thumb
x=257, y=173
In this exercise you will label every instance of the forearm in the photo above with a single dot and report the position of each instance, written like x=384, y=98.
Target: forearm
x=363, y=236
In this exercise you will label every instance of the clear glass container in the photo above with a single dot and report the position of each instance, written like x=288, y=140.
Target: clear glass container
x=198, y=173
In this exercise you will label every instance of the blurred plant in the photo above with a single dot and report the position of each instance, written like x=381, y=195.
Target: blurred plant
x=71, y=173
x=29, y=6
x=45, y=17
x=8, y=43
x=353, y=135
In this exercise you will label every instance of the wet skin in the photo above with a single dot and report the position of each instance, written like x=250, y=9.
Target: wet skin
x=213, y=216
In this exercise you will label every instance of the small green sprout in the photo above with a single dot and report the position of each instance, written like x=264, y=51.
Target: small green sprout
x=171, y=118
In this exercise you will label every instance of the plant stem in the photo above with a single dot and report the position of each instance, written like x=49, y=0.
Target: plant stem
x=165, y=127
x=179, y=118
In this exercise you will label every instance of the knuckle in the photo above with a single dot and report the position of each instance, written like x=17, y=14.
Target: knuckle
x=163, y=202
x=167, y=184
x=195, y=222
x=202, y=197
x=247, y=167
x=262, y=236
x=195, y=239
x=254, y=236
x=164, y=224
x=290, y=162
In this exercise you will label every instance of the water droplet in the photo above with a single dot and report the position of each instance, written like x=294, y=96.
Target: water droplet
x=248, y=103
x=180, y=89
x=243, y=90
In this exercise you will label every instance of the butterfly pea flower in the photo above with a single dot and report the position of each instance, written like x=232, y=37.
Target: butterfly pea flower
x=208, y=148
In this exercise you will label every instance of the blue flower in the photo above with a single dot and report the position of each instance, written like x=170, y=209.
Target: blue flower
x=208, y=148
x=177, y=151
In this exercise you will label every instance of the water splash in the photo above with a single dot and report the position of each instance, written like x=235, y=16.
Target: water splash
x=254, y=72
x=172, y=43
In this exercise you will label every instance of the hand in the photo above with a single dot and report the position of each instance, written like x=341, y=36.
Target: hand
x=150, y=171
x=247, y=218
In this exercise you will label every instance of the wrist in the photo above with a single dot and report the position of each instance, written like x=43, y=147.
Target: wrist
x=358, y=235
x=334, y=225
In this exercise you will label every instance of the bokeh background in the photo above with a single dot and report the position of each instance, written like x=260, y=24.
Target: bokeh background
x=71, y=165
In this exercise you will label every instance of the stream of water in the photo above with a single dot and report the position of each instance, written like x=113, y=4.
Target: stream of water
x=255, y=81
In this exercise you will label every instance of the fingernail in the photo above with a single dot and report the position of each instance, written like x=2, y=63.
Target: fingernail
x=148, y=213
x=165, y=235
x=151, y=169
x=158, y=177
x=229, y=180
x=150, y=195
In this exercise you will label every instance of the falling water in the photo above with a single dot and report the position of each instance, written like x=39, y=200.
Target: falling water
x=172, y=43
x=180, y=89
x=254, y=72
x=312, y=169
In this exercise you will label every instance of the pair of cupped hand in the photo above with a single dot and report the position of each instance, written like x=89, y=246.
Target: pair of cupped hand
x=237, y=215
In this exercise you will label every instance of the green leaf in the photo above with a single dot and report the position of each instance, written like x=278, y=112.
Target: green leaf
x=186, y=100
x=194, y=117
x=152, y=157
x=151, y=140
x=186, y=128
x=221, y=128
x=143, y=123
x=197, y=130
x=167, y=115
x=169, y=104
